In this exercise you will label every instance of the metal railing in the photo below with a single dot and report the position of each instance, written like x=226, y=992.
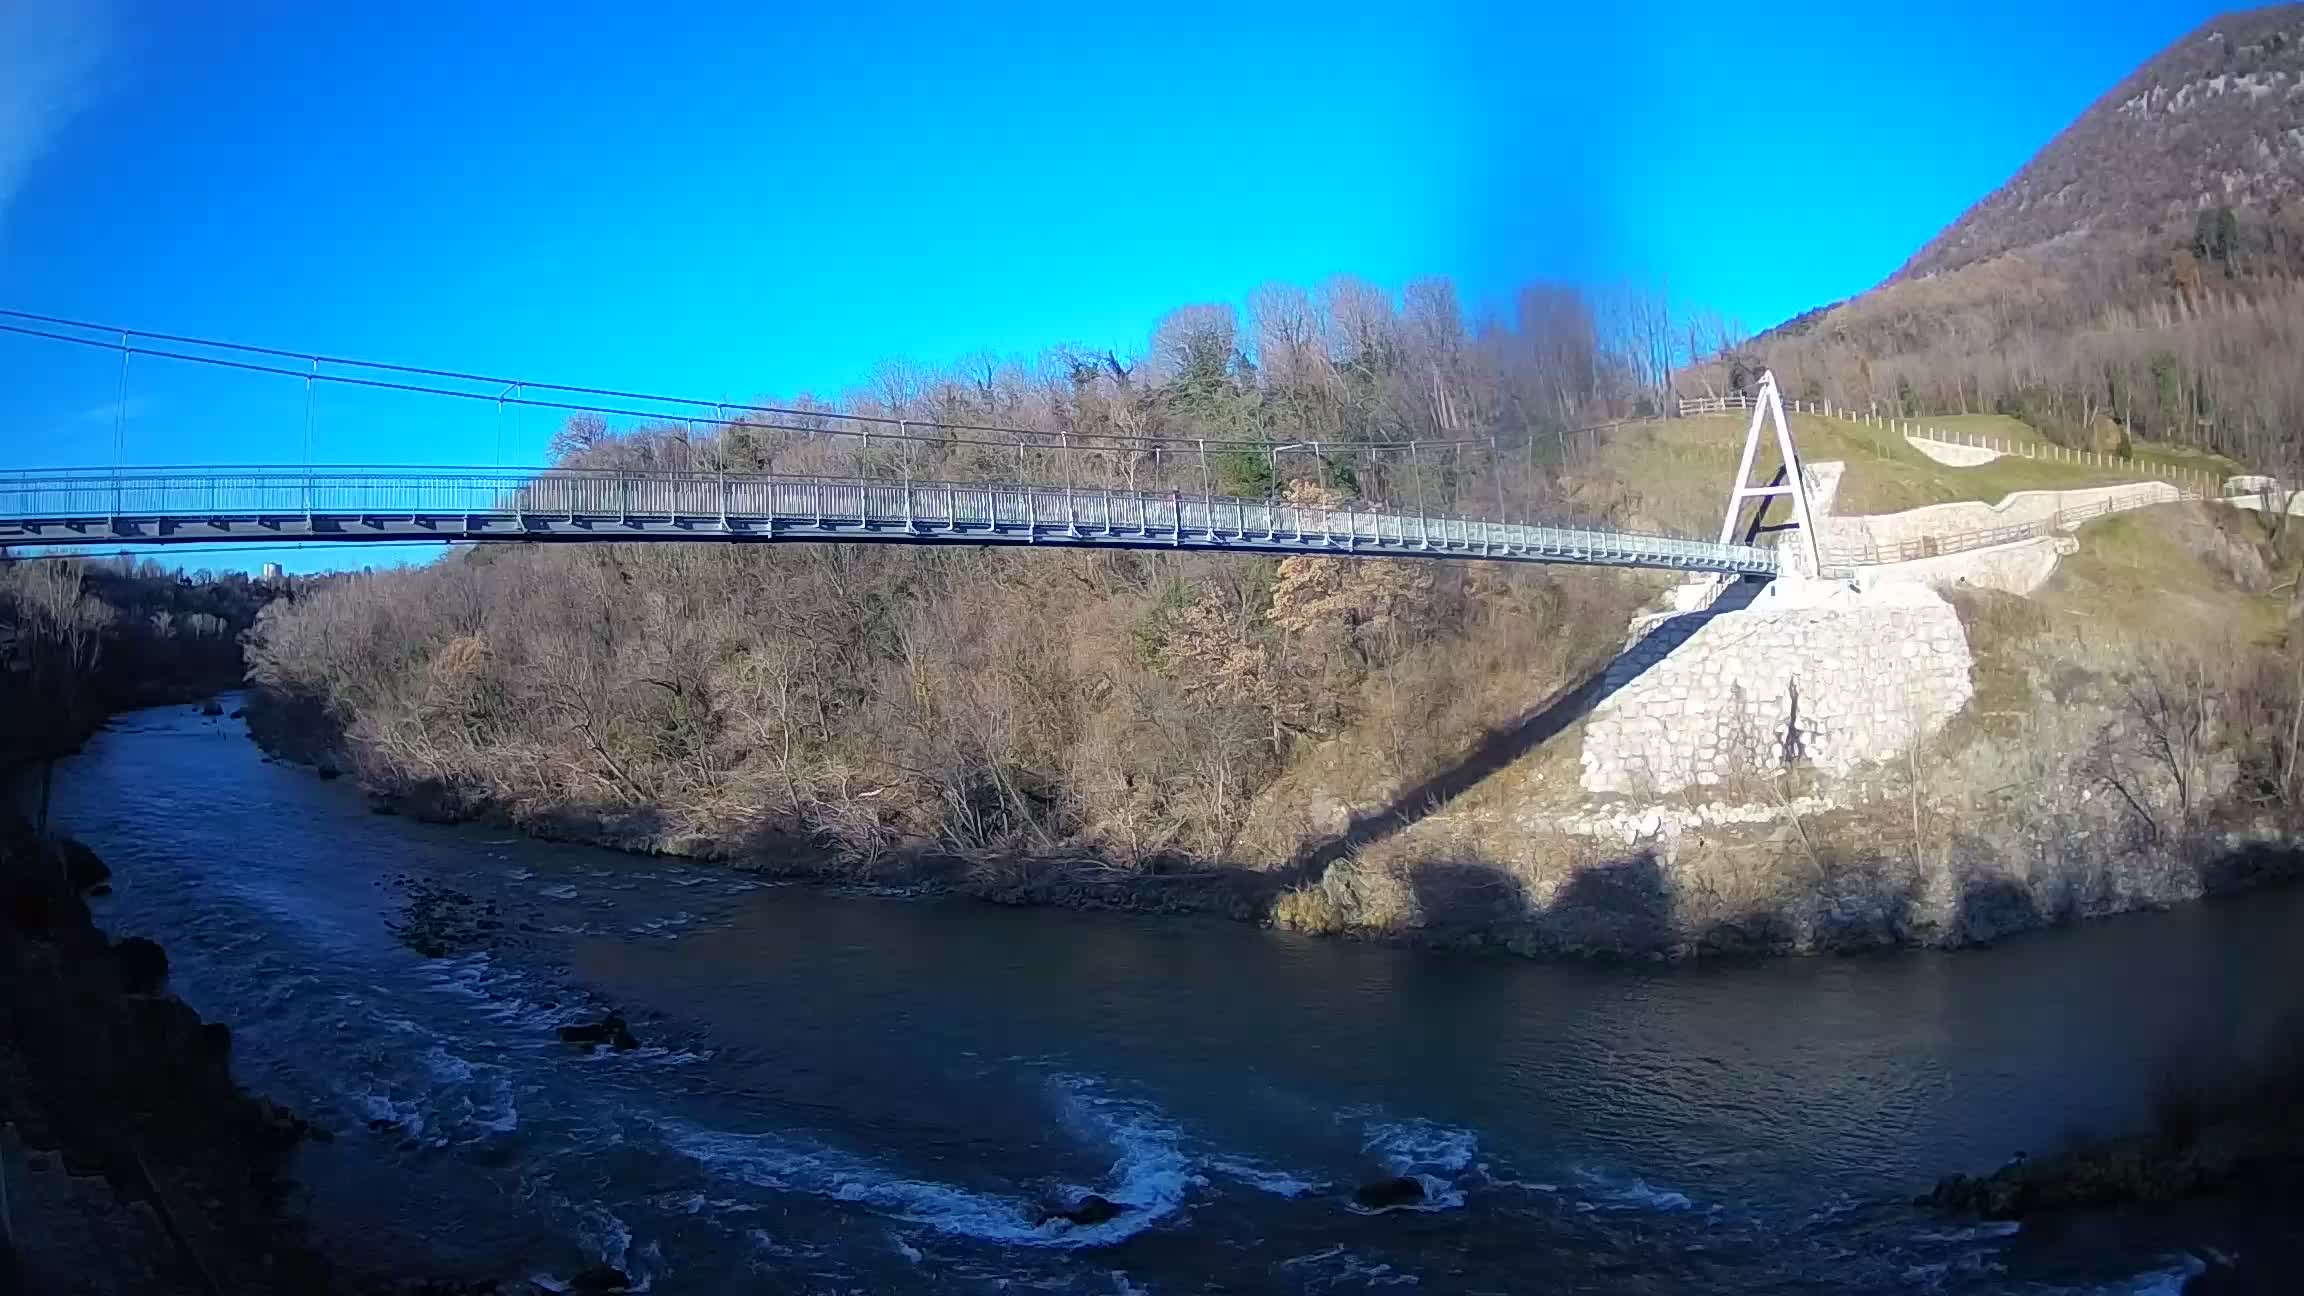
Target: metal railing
x=97, y=506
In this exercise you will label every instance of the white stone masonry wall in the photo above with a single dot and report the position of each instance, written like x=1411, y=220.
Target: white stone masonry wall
x=1813, y=674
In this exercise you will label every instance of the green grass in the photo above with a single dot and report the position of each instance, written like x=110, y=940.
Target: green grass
x=2155, y=571
x=2014, y=431
x=1679, y=468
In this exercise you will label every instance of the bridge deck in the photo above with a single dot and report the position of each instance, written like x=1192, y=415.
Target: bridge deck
x=145, y=506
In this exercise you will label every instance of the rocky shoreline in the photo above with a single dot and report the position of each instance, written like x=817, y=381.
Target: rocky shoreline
x=2244, y=1149
x=132, y=1162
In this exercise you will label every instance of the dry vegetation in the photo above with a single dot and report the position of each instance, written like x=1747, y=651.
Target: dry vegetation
x=2139, y=278
x=1136, y=706
x=81, y=638
x=1136, y=709
x=1333, y=724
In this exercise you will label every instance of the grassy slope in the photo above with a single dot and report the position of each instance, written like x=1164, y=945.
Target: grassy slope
x=1678, y=469
x=2157, y=572
x=2154, y=574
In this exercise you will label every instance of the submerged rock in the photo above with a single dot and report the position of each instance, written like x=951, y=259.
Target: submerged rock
x=610, y=1030
x=600, y=1278
x=440, y=921
x=1089, y=1210
x=1386, y=1193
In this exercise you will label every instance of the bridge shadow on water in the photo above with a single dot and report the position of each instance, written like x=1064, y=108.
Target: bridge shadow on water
x=1508, y=742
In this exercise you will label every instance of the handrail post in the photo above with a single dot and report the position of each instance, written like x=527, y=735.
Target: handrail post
x=1496, y=466
x=1416, y=474
x=1071, y=516
x=1207, y=489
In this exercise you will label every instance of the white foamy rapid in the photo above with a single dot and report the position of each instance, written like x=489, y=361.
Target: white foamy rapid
x=1603, y=1192
x=1148, y=1179
x=1430, y=1153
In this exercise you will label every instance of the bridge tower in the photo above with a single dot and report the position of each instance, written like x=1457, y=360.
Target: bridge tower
x=1768, y=408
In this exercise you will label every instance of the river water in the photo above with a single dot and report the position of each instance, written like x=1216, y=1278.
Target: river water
x=843, y=1093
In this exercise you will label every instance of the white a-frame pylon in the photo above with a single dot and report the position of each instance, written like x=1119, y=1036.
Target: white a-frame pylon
x=1768, y=407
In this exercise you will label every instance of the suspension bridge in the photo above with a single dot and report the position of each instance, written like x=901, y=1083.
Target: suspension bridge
x=1138, y=495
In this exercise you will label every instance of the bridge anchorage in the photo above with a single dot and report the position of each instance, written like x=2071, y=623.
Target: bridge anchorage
x=96, y=507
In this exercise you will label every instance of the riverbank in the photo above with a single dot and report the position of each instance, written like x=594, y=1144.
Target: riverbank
x=2235, y=1149
x=1648, y=900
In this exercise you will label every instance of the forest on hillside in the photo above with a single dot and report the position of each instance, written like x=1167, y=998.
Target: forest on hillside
x=83, y=637
x=1139, y=706
x=2184, y=333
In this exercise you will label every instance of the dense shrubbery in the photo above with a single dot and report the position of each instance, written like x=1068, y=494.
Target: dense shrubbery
x=1137, y=705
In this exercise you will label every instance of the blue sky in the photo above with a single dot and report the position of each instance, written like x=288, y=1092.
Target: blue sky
x=733, y=200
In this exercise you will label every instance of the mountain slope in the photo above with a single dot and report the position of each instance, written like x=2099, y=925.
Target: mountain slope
x=2215, y=119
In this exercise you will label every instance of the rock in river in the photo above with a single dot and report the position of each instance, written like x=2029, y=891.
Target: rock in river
x=1386, y=1193
x=1091, y=1209
x=610, y=1030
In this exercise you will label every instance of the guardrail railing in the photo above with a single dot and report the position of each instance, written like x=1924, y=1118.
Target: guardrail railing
x=100, y=506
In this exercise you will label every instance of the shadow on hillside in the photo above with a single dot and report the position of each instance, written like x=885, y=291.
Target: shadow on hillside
x=1615, y=908
x=1508, y=742
x=1626, y=906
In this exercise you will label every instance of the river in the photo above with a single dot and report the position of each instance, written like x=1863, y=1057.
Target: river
x=848, y=1093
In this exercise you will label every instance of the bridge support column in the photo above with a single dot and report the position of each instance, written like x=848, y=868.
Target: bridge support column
x=1768, y=409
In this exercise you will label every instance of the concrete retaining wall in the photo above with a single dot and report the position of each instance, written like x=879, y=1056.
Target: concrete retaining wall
x=2019, y=509
x=2018, y=568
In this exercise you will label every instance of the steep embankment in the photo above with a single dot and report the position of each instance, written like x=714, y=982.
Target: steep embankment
x=132, y=1162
